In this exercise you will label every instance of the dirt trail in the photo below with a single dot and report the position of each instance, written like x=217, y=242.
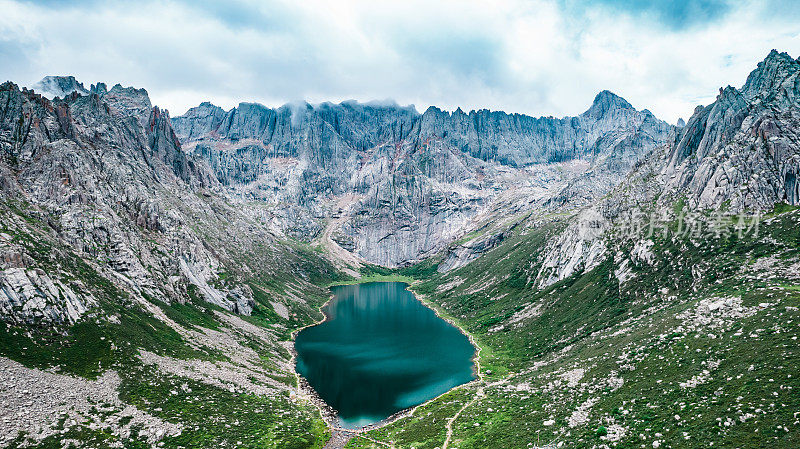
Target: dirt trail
x=450, y=421
x=347, y=261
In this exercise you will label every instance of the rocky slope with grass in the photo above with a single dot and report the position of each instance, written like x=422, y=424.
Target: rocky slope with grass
x=123, y=263
x=665, y=315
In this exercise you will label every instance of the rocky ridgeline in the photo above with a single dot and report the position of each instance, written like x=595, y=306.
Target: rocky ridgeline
x=392, y=185
x=740, y=153
x=98, y=178
x=414, y=181
x=59, y=86
x=123, y=183
x=743, y=149
x=105, y=178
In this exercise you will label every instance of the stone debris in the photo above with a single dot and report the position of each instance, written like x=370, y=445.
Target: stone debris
x=714, y=313
x=280, y=309
x=225, y=375
x=39, y=404
x=455, y=282
x=573, y=377
x=581, y=415
x=642, y=251
x=616, y=432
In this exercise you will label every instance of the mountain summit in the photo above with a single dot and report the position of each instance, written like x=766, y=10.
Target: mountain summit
x=59, y=86
x=742, y=149
x=767, y=78
x=605, y=102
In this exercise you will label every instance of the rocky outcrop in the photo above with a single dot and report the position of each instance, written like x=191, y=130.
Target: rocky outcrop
x=128, y=101
x=579, y=248
x=464, y=253
x=743, y=149
x=31, y=296
x=108, y=181
x=740, y=153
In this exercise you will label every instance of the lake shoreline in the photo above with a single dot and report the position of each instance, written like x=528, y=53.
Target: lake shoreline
x=329, y=414
x=304, y=389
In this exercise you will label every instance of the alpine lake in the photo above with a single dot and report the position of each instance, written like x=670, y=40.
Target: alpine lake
x=380, y=351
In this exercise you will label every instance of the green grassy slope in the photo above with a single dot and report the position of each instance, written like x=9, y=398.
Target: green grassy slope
x=699, y=347
x=111, y=335
x=645, y=363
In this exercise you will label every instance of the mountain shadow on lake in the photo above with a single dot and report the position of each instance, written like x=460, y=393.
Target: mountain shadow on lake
x=381, y=351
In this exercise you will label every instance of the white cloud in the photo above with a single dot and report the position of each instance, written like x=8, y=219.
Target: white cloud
x=535, y=57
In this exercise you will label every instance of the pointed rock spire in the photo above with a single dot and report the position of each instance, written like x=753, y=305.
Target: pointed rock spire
x=770, y=73
x=59, y=86
x=605, y=102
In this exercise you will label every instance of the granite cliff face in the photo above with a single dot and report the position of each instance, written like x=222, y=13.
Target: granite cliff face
x=393, y=186
x=379, y=182
x=385, y=184
x=122, y=261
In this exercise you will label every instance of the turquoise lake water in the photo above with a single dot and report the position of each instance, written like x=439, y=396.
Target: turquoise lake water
x=381, y=351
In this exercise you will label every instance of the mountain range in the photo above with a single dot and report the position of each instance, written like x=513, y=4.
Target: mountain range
x=628, y=282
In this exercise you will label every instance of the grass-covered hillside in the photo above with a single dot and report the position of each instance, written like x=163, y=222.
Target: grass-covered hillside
x=136, y=370
x=694, y=345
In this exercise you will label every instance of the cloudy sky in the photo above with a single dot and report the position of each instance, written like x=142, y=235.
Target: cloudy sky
x=534, y=57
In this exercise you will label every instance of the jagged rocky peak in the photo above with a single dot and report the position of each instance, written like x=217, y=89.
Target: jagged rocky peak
x=286, y=124
x=100, y=89
x=605, y=102
x=129, y=100
x=200, y=112
x=105, y=180
x=205, y=108
x=198, y=121
x=390, y=168
x=742, y=149
x=770, y=74
x=125, y=100
x=59, y=86
x=739, y=154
